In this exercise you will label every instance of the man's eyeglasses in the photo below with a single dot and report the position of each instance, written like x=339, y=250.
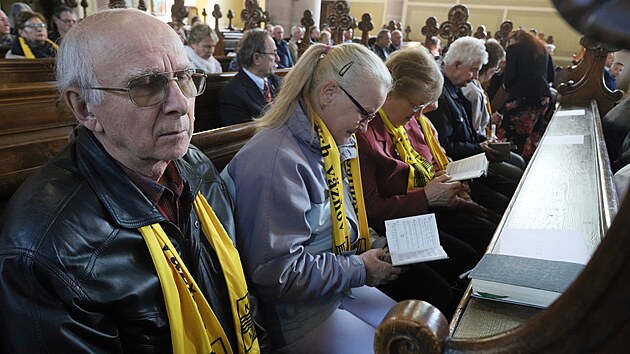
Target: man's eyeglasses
x=149, y=90
x=367, y=117
x=275, y=52
x=35, y=25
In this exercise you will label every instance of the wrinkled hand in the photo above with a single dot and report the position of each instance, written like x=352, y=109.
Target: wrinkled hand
x=440, y=192
x=492, y=154
x=377, y=271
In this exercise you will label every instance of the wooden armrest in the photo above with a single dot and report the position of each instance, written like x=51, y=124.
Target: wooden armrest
x=411, y=326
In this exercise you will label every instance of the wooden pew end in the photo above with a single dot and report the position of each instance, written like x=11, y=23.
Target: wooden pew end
x=411, y=326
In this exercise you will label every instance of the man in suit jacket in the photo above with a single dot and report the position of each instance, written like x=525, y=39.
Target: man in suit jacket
x=245, y=96
x=286, y=61
x=383, y=40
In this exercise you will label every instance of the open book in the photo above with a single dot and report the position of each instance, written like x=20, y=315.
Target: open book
x=471, y=167
x=414, y=239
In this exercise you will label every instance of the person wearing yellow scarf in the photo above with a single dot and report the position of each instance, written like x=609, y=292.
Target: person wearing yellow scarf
x=33, y=39
x=300, y=211
x=401, y=144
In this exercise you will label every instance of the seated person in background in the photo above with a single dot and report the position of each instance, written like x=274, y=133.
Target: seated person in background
x=63, y=18
x=179, y=29
x=396, y=41
x=14, y=11
x=482, y=116
x=284, y=55
x=297, y=34
x=348, y=35
x=325, y=38
x=255, y=85
x=610, y=82
x=303, y=233
x=141, y=219
x=201, y=43
x=32, y=41
x=615, y=71
x=435, y=48
x=400, y=174
x=453, y=117
x=616, y=128
x=314, y=34
x=6, y=38
x=383, y=40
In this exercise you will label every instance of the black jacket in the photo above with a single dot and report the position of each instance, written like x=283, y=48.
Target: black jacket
x=241, y=100
x=76, y=273
x=453, y=122
x=526, y=76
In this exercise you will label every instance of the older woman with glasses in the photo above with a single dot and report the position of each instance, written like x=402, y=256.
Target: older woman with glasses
x=303, y=233
x=403, y=165
x=32, y=41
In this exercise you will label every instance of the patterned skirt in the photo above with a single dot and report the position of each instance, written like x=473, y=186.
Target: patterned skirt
x=523, y=124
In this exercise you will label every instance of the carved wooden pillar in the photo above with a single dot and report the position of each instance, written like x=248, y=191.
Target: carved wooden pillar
x=216, y=13
x=457, y=25
x=179, y=12
x=117, y=4
x=205, y=15
x=481, y=32
x=503, y=34
x=407, y=33
x=430, y=29
x=339, y=20
x=84, y=5
x=252, y=15
x=365, y=26
x=142, y=6
x=230, y=16
x=308, y=22
x=584, y=81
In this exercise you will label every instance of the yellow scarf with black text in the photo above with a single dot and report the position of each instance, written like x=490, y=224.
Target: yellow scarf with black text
x=421, y=171
x=194, y=327
x=334, y=181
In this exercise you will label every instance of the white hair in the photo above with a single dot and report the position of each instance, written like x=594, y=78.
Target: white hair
x=466, y=50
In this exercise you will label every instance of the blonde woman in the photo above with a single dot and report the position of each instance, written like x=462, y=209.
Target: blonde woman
x=303, y=230
x=201, y=43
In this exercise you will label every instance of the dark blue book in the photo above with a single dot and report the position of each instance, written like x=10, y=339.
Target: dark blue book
x=521, y=280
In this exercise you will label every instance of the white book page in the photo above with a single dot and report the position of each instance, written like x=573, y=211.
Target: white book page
x=573, y=112
x=471, y=167
x=413, y=239
x=553, y=245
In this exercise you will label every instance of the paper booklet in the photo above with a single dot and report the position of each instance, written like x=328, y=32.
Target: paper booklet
x=414, y=239
x=471, y=167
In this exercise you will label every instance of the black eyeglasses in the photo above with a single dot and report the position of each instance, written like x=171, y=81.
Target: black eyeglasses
x=367, y=117
x=149, y=90
x=275, y=52
x=69, y=21
x=34, y=25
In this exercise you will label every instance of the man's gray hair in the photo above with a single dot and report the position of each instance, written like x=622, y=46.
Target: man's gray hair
x=466, y=50
x=253, y=42
x=75, y=62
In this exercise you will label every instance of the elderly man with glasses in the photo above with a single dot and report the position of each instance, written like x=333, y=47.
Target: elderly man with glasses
x=255, y=85
x=123, y=242
x=63, y=19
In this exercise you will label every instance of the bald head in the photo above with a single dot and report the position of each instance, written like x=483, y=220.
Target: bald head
x=110, y=40
x=5, y=25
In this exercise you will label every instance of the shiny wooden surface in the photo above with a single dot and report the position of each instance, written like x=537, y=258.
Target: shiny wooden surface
x=565, y=187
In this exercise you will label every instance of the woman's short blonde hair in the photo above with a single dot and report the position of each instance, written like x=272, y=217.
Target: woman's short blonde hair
x=200, y=32
x=416, y=74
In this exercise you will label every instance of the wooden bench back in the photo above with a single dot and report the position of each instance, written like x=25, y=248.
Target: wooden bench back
x=26, y=70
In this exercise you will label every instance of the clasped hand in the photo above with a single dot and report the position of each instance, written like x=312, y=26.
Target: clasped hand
x=378, y=267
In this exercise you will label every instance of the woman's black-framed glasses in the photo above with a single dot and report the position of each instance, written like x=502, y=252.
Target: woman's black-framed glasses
x=367, y=117
x=149, y=90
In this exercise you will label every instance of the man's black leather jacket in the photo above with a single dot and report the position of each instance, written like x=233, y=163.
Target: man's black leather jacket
x=76, y=273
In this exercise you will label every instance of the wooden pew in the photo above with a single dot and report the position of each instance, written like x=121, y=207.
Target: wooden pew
x=26, y=70
x=221, y=144
x=34, y=126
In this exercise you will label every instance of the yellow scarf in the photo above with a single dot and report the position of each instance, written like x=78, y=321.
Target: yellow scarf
x=439, y=157
x=334, y=180
x=28, y=53
x=194, y=327
x=421, y=171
